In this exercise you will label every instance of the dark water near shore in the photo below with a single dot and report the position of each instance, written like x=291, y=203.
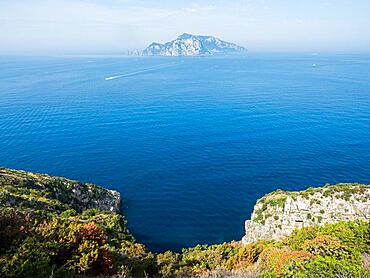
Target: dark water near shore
x=190, y=143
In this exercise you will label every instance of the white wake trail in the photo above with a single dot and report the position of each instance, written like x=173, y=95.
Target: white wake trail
x=139, y=72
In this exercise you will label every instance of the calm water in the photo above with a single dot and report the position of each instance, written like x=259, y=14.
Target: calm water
x=190, y=143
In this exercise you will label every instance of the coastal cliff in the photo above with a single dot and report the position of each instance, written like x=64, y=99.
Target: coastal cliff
x=277, y=214
x=56, y=227
x=41, y=191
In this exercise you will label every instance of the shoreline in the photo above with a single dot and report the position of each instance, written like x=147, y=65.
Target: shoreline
x=61, y=226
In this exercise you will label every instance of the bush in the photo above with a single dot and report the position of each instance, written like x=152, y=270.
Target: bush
x=283, y=262
x=13, y=226
x=298, y=237
x=331, y=267
x=53, y=244
x=355, y=235
x=168, y=263
x=246, y=256
x=324, y=245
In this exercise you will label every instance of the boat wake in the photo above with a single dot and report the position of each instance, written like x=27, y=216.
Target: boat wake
x=140, y=72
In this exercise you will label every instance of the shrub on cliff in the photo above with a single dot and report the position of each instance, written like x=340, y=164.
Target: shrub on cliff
x=330, y=267
x=13, y=224
x=246, y=255
x=355, y=235
x=324, y=245
x=283, y=262
x=54, y=245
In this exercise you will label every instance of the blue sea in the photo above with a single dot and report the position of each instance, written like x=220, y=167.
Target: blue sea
x=190, y=143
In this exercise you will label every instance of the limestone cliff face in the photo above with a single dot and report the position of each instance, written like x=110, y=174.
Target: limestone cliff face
x=277, y=214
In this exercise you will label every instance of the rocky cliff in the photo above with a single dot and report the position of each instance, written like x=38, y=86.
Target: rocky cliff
x=55, y=227
x=277, y=214
x=192, y=45
x=39, y=191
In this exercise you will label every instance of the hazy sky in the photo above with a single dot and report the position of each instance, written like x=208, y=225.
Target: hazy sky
x=104, y=26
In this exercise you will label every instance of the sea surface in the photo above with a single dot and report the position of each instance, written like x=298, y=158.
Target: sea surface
x=191, y=143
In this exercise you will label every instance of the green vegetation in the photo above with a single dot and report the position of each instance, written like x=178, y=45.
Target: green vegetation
x=51, y=194
x=275, y=199
x=47, y=232
x=54, y=227
x=340, y=190
x=329, y=251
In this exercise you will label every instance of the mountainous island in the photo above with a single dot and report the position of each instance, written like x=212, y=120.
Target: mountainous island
x=193, y=45
x=56, y=227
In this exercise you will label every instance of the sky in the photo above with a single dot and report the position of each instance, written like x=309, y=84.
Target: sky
x=115, y=26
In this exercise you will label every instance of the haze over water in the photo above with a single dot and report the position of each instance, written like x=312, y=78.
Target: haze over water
x=191, y=143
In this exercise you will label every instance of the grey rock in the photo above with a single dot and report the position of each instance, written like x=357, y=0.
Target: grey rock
x=278, y=214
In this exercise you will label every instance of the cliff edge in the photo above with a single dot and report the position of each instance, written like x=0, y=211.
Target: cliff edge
x=40, y=191
x=56, y=227
x=277, y=214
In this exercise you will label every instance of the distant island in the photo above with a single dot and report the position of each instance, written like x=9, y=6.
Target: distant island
x=56, y=227
x=193, y=45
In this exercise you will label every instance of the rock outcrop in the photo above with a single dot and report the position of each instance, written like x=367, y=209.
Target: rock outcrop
x=192, y=45
x=277, y=214
x=43, y=192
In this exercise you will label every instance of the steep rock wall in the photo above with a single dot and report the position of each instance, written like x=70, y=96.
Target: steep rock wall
x=277, y=214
